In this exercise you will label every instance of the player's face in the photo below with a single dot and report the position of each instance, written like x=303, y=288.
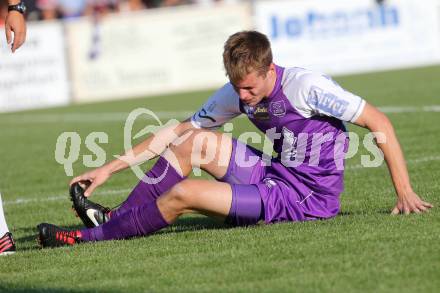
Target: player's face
x=254, y=86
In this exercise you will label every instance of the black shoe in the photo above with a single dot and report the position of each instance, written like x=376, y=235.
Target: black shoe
x=7, y=244
x=52, y=236
x=90, y=213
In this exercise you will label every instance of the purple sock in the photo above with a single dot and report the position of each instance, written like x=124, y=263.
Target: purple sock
x=141, y=220
x=145, y=192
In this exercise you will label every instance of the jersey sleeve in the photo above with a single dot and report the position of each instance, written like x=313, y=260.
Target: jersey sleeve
x=318, y=94
x=221, y=107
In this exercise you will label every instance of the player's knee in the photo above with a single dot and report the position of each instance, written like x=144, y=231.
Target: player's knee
x=205, y=145
x=181, y=195
x=181, y=150
x=183, y=145
x=195, y=143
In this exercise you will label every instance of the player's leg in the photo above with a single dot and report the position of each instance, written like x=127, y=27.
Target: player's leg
x=146, y=218
x=7, y=245
x=208, y=150
x=241, y=204
x=243, y=200
x=211, y=151
x=152, y=216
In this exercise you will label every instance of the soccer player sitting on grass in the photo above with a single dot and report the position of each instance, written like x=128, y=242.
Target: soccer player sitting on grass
x=300, y=111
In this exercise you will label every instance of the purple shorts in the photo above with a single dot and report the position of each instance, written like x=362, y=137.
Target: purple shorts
x=270, y=193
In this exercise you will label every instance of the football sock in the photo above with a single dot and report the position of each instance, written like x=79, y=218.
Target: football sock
x=3, y=226
x=145, y=192
x=138, y=221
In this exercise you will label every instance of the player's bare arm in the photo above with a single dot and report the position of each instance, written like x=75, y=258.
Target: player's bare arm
x=407, y=200
x=142, y=152
x=15, y=24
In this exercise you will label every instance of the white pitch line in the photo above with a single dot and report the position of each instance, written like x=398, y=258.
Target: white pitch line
x=122, y=116
x=409, y=109
x=33, y=199
x=409, y=162
x=89, y=117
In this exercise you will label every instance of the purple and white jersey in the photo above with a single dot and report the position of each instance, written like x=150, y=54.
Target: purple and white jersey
x=303, y=116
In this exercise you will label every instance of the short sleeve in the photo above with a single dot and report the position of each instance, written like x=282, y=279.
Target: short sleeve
x=221, y=107
x=318, y=94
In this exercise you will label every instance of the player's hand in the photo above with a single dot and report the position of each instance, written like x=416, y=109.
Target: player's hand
x=410, y=202
x=92, y=179
x=15, y=23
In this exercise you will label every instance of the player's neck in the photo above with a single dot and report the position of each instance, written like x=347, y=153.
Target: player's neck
x=272, y=79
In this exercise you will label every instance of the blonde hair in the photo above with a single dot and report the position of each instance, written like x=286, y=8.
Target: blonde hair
x=244, y=52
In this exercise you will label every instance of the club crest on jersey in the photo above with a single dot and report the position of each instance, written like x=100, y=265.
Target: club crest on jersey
x=327, y=102
x=278, y=108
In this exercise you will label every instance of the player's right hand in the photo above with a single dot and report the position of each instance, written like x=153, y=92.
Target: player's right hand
x=92, y=179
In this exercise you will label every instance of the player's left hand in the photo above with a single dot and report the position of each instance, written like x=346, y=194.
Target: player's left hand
x=15, y=23
x=410, y=202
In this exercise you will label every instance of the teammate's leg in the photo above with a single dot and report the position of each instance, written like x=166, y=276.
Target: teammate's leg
x=7, y=244
x=3, y=226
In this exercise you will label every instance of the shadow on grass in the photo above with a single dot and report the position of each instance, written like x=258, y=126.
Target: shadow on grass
x=190, y=223
x=365, y=212
x=385, y=211
x=345, y=213
x=185, y=224
x=379, y=212
x=198, y=223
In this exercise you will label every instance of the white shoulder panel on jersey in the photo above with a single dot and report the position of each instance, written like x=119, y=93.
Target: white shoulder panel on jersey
x=221, y=107
x=312, y=93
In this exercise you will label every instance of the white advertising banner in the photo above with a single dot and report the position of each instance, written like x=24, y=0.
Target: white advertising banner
x=35, y=75
x=345, y=36
x=152, y=52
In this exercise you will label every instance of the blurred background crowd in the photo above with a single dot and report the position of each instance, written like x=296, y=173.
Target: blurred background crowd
x=65, y=9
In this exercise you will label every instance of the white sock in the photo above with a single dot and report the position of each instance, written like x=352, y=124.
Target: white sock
x=3, y=225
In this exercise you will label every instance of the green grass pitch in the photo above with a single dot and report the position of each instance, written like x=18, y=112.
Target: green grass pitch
x=362, y=250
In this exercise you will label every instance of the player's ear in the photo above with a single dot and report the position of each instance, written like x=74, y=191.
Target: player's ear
x=271, y=68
